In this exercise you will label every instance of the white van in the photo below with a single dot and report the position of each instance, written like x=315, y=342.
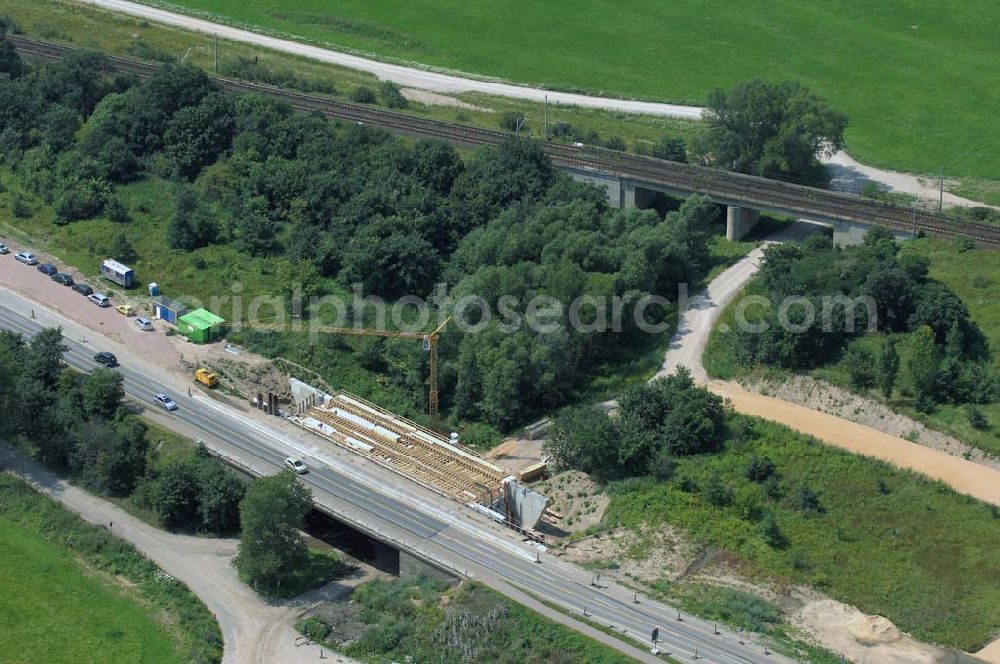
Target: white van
x=100, y=299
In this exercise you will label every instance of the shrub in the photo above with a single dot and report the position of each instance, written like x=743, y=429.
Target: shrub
x=314, y=627
x=963, y=243
x=759, y=469
x=806, y=500
x=860, y=366
x=392, y=96
x=561, y=130
x=616, y=143
x=512, y=120
x=717, y=492
x=976, y=418
x=363, y=95
x=771, y=533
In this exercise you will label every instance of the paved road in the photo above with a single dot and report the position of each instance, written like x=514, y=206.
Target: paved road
x=382, y=504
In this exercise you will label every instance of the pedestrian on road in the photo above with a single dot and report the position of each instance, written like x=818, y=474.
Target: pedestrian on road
x=189, y=393
x=111, y=524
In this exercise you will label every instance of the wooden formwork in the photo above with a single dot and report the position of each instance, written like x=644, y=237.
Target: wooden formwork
x=407, y=448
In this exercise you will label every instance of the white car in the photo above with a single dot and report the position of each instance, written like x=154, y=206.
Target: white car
x=296, y=466
x=4, y=249
x=164, y=402
x=26, y=257
x=144, y=324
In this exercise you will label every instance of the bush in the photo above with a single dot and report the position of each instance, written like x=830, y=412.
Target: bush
x=963, y=243
x=616, y=143
x=860, y=366
x=976, y=418
x=363, y=95
x=562, y=130
x=314, y=627
x=512, y=120
x=806, y=500
x=392, y=96
x=759, y=469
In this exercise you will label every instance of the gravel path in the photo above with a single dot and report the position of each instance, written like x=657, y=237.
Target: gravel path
x=688, y=345
x=254, y=631
x=847, y=173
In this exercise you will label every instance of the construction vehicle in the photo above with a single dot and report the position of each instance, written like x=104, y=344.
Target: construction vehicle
x=206, y=377
x=429, y=339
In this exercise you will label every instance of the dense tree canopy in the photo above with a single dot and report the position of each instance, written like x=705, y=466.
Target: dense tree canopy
x=348, y=204
x=655, y=422
x=769, y=129
x=271, y=547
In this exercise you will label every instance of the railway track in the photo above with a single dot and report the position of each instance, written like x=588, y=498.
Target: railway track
x=723, y=185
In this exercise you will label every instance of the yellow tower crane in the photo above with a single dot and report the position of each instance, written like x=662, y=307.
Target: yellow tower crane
x=430, y=344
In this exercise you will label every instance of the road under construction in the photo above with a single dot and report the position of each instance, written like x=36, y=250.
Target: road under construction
x=631, y=176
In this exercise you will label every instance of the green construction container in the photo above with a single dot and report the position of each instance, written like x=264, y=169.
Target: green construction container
x=201, y=326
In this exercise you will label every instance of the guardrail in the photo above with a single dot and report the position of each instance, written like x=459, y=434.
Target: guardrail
x=355, y=522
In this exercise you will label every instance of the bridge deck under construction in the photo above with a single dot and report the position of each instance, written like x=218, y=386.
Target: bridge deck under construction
x=407, y=448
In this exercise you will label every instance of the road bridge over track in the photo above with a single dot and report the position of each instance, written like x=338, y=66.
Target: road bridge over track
x=631, y=181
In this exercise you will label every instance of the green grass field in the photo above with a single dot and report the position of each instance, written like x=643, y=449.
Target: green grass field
x=86, y=27
x=918, y=80
x=70, y=592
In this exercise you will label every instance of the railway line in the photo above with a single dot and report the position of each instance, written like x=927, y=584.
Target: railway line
x=737, y=188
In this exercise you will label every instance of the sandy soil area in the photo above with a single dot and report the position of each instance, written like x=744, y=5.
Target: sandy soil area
x=438, y=99
x=964, y=476
x=822, y=396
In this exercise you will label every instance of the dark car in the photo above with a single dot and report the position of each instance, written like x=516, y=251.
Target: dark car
x=83, y=289
x=62, y=278
x=47, y=268
x=106, y=358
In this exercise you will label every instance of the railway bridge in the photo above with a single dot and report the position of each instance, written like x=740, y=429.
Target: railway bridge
x=629, y=180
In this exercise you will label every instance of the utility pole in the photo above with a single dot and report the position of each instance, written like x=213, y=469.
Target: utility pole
x=941, y=191
x=216, y=53
x=545, y=121
x=520, y=123
x=914, y=216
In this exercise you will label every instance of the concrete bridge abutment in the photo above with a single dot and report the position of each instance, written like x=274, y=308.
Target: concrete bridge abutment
x=411, y=567
x=740, y=221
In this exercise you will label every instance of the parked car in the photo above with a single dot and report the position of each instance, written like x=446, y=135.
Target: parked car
x=4, y=249
x=62, y=278
x=26, y=257
x=296, y=466
x=100, y=299
x=83, y=289
x=47, y=268
x=144, y=324
x=125, y=309
x=164, y=402
x=107, y=359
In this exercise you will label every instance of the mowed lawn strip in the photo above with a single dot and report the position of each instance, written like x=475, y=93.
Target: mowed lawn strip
x=919, y=84
x=71, y=592
x=57, y=611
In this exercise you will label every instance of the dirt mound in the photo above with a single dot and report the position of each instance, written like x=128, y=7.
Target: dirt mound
x=579, y=500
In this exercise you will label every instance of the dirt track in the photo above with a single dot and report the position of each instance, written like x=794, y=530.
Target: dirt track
x=964, y=476
x=254, y=631
x=688, y=344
